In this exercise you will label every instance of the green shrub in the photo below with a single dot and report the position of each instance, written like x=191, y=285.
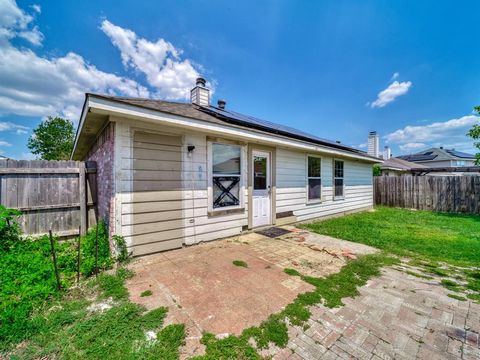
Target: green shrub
x=121, y=247
x=87, y=264
x=27, y=277
x=9, y=229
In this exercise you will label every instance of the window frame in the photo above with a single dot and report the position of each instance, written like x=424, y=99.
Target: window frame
x=342, y=197
x=211, y=175
x=307, y=178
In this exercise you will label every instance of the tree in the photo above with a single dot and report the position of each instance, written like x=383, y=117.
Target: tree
x=377, y=170
x=474, y=133
x=52, y=139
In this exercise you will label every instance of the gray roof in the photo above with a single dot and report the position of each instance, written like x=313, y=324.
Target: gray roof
x=437, y=154
x=399, y=164
x=218, y=116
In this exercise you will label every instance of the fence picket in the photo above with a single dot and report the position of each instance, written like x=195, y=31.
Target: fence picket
x=456, y=194
x=52, y=195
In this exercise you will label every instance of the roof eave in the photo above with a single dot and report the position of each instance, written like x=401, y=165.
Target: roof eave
x=105, y=105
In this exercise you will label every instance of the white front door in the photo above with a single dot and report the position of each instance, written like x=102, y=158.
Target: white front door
x=261, y=197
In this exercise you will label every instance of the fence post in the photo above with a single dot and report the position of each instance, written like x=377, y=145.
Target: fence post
x=82, y=194
x=54, y=258
x=78, y=254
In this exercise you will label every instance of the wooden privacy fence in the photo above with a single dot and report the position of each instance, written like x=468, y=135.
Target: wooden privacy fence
x=455, y=194
x=52, y=195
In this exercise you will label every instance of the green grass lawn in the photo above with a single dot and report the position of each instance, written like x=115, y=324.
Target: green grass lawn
x=451, y=238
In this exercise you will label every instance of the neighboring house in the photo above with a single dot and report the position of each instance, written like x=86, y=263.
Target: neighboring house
x=171, y=174
x=396, y=167
x=440, y=157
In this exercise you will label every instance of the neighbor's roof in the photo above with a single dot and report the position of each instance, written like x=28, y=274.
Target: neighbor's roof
x=216, y=115
x=437, y=154
x=399, y=164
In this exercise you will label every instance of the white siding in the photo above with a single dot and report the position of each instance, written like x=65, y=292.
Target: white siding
x=151, y=219
x=292, y=186
x=153, y=214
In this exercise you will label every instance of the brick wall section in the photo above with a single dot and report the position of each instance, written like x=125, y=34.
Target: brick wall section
x=102, y=152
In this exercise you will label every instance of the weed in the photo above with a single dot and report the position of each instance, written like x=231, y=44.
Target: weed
x=457, y=297
x=436, y=271
x=418, y=275
x=68, y=330
x=121, y=248
x=475, y=297
x=451, y=285
x=474, y=284
x=292, y=272
x=146, y=293
x=240, y=263
x=28, y=280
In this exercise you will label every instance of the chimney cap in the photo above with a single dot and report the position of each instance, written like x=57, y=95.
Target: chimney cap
x=221, y=104
x=201, y=82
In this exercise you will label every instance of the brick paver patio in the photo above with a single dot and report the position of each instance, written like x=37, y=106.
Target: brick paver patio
x=396, y=316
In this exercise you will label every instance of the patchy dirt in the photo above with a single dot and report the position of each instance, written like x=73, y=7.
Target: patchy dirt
x=101, y=306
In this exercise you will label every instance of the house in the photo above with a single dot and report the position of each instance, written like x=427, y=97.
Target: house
x=173, y=174
x=397, y=167
x=440, y=157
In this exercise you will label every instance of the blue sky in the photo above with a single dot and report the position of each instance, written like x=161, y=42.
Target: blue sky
x=337, y=69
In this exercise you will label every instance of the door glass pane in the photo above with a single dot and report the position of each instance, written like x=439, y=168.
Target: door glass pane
x=314, y=189
x=313, y=167
x=259, y=173
x=226, y=191
x=226, y=159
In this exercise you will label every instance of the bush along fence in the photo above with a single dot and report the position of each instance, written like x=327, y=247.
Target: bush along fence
x=52, y=195
x=35, y=271
x=453, y=194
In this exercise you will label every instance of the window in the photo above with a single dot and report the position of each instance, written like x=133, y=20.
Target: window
x=314, y=179
x=226, y=175
x=338, y=179
x=259, y=173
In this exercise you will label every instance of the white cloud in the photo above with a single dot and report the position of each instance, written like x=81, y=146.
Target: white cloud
x=160, y=61
x=9, y=126
x=450, y=134
x=4, y=143
x=37, y=8
x=32, y=85
x=394, y=90
x=412, y=146
x=362, y=146
x=14, y=22
x=395, y=76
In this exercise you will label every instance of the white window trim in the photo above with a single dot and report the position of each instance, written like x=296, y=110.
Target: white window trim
x=241, y=192
x=313, y=201
x=334, y=177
